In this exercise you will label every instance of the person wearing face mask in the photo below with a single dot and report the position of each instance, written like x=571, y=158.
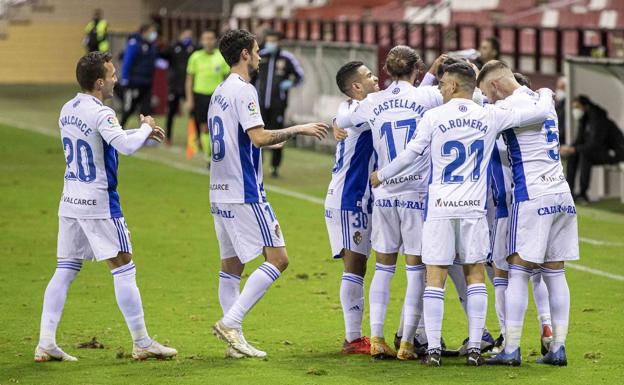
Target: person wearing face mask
x=205, y=70
x=598, y=141
x=137, y=71
x=178, y=55
x=279, y=72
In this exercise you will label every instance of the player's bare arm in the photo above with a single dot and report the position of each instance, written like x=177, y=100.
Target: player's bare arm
x=263, y=138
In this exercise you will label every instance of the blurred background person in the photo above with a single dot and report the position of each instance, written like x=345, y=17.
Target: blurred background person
x=561, y=94
x=137, y=71
x=279, y=72
x=205, y=70
x=177, y=54
x=96, y=36
x=488, y=50
x=599, y=141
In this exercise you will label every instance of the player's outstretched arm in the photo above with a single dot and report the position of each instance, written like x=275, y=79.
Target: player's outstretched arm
x=263, y=138
x=340, y=134
x=400, y=163
x=526, y=117
x=129, y=143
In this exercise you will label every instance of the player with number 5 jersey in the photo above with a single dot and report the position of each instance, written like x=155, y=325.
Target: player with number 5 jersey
x=245, y=223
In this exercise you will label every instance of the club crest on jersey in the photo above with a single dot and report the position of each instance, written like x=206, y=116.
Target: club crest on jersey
x=463, y=108
x=357, y=237
x=278, y=232
x=396, y=90
x=251, y=107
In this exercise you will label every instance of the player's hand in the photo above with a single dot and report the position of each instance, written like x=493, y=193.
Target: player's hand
x=189, y=105
x=317, y=130
x=339, y=133
x=374, y=179
x=437, y=63
x=158, y=134
x=147, y=120
x=567, y=150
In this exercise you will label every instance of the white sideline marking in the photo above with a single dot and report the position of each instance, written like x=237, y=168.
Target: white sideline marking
x=309, y=198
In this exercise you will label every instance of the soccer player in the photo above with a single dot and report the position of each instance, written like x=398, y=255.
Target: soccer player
x=91, y=223
x=501, y=180
x=348, y=204
x=393, y=115
x=245, y=223
x=543, y=227
x=459, y=135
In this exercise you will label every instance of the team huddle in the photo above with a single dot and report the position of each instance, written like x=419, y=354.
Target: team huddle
x=463, y=178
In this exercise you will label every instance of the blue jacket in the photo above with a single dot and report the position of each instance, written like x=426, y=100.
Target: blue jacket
x=137, y=68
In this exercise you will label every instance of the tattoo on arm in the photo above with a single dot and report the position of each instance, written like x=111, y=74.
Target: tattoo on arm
x=279, y=136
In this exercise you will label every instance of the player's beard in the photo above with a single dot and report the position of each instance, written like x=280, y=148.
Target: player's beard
x=252, y=70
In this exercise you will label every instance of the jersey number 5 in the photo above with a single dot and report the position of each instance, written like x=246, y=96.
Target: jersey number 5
x=552, y=137
x=83, y=156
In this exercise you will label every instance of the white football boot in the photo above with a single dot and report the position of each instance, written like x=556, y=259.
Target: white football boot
x=54, y=354
x=154, y=350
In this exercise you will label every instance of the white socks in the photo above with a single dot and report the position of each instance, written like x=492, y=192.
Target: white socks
x=433, y=306
x=352, y=300
x=379, y=296
x=229, y=290
x=559, y=296
x=500, y=286
x=413, y=306
x=540, y=295
x=516, y=301
x=129, y=302
x=456, y=272
x=255, y=287
x=54, y=300
x=476, y=304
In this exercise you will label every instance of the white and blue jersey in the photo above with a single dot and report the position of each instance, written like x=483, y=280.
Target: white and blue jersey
x=500, y=177
x=90, y=186
x=393, y=115
x=534, y=152
x=236, y=167
x=349, y=188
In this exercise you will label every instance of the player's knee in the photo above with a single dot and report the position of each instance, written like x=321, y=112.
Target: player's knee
x=120, y=260
x=354, y=263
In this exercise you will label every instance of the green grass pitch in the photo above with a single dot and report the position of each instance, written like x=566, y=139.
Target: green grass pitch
x=299, y=321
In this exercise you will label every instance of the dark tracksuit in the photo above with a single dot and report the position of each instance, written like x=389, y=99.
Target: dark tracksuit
x=137, y=69
x=177, y=55
x=274, y=68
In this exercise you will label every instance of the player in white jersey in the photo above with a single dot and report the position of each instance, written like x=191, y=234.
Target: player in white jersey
x=543, y=228
x=393, y=116
x=91, y=223
x=245, y=223
x=348, y=205
x=460, y=135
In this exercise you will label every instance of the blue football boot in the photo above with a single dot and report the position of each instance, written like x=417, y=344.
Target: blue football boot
x=557, y=358
x=502, y=358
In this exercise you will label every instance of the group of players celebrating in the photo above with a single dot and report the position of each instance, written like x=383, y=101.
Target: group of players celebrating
x=454, y=177
x=466, y=180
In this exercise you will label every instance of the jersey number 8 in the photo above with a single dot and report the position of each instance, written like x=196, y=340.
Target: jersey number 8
x=215, y=126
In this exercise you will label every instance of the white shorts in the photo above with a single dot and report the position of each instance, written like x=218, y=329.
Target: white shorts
x=348, y=230
x=544, y=229
x=499, y=236
x=245, y=229
x=398, y=223
x=466, y=241
x=92, y=238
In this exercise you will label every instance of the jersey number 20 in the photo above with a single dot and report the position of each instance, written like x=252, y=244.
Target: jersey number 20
x=83, y=155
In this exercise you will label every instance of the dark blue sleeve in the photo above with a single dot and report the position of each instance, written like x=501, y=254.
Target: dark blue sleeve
x=131, y=51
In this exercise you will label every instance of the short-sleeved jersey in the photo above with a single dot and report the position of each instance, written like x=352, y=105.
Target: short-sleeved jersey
x=236, y=167
x=393, y=116
x=90, y=187
x=349, y=188
x=208, y=70
x=534, y=153
x=461, y=136
x=500, y=178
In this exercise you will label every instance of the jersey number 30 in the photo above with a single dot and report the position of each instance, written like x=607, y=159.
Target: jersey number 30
x=83, y=155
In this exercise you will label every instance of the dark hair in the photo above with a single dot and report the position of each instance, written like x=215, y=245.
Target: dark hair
x=446, y=63
x=495, y=43
x=523, y=80
x=401, y=61
x=346, y=74
x=90, y=68
x=145, y=27
x=583, y=100
x=233, y=42
x=272, y=32
x=489, y=67
x=464, y=73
